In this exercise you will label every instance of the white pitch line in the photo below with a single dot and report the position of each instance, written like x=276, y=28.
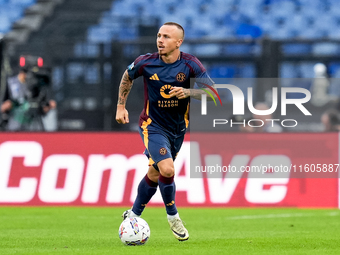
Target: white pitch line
x=333, y=214
x=267, y=216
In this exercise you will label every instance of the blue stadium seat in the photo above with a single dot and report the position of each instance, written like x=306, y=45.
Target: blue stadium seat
x=11, y=11
x=334, y=87
x=127, y=6
x=334, y=34
x=234, y=20
x=248, y=71
x=175, y=18
x=277, y=19
x=289, y=70
x=22, y=2
x=98, y=34
x=311, y=33
x=225, y=32
x=298, y=22
x=128, y=33
x=326, y=22
x=207, y=50
x=326, y=49
x=246, y=30
x=91, y=74
x=334, y=70
x=5, y=23
x=86, y=49
x=267, y=23
x=222, y=71
x=307, y=69
x=14, y=11
x=283, y=8
x=334, y=73
x=211, y=19
x=75, y=71
x=296, y=70
x=238, y=49
x=195, y=33
x=296, y=49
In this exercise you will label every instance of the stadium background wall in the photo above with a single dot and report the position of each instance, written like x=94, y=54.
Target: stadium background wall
x=85, y=83
x=1, y=68
x=103, y=169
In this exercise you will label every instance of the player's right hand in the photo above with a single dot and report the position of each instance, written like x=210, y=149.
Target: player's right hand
x=122, y=115
x=6, y=106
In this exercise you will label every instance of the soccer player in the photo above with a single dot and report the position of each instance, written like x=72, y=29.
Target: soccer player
x=164, y=119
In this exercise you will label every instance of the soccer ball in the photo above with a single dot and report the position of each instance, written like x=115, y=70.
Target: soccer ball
x=134, y=231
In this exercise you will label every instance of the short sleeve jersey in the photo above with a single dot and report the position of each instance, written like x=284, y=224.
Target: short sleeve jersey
x=171, y=114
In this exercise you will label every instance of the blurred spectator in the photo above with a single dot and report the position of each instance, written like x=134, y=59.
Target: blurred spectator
x=320, y=86
x=331, y=120
x=25, y=104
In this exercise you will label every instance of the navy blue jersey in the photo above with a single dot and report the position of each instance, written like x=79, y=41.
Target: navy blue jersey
x=172, y=114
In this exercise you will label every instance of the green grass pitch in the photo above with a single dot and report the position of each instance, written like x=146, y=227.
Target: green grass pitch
x=79, y=230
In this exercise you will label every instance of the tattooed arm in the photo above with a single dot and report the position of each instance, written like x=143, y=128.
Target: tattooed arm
x=122, y=115
x=182, y=93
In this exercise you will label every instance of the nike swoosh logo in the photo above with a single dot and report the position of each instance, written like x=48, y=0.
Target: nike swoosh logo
x=180, y=235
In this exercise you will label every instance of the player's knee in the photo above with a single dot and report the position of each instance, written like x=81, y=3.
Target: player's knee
x=166, y=167
x=153, y=176
x=167, y=171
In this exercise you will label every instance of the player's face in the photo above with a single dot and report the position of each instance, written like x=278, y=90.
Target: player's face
x=168, y=39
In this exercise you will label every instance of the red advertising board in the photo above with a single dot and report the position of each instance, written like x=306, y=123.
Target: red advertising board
x=104, y=169
x=303, y=185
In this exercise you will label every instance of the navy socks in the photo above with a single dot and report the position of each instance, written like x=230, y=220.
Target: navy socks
x=168, y=191
x=146, y=189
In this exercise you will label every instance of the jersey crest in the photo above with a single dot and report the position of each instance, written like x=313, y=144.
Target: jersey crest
x=180, y=77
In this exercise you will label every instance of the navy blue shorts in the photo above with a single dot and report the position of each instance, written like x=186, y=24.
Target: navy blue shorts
x=159, y=144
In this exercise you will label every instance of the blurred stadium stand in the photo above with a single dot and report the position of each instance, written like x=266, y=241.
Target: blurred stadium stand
x=89, y=43
x=227, y=19
x=11, y=11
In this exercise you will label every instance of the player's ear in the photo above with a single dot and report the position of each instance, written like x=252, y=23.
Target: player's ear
x=179, y=43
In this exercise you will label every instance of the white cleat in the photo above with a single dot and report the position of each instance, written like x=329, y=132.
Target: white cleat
x=129, y=214
x=178, y=229
x=126, y=214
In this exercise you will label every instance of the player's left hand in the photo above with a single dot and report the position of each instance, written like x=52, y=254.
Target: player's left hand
x=179, y=92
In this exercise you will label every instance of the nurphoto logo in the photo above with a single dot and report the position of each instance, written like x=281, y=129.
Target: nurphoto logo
x=239, y=99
